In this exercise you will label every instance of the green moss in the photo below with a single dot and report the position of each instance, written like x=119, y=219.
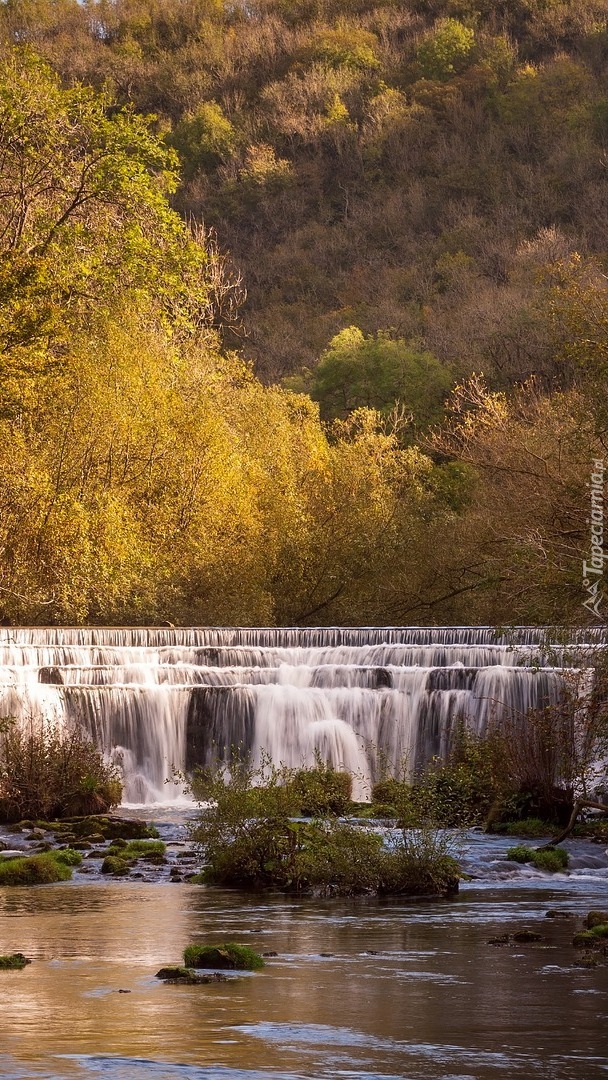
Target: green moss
x=231, y=955
x=34, y=870
x=13, y=962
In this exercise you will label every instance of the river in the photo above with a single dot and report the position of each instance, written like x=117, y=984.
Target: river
x=359, y=990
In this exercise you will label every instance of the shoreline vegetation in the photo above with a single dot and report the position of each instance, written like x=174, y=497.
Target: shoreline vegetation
x=304, y=311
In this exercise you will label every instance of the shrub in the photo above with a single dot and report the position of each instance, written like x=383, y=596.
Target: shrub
x=321, y=791
x=13, y=962
x=454, y=793
x=34, y=870
x=46, y=773
x=446, y=51
x=236, y=957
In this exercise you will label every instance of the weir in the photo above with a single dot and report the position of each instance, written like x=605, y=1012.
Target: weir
x=160, y=699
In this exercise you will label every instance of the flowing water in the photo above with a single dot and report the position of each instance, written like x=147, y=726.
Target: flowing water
x=359, y=990
x=159, y=700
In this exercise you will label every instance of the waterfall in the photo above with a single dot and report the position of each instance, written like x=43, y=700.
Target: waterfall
x=157, y=700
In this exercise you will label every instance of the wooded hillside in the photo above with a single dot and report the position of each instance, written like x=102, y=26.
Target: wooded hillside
x=209, y=214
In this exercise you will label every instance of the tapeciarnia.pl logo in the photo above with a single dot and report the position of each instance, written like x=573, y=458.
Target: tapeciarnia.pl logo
x=594, y=569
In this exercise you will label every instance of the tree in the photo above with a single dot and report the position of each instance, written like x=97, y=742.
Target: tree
x=377, y=372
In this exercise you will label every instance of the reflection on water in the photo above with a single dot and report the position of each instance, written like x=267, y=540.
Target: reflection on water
x=359, y=989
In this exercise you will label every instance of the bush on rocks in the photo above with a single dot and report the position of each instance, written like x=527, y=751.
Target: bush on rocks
x=266, y=848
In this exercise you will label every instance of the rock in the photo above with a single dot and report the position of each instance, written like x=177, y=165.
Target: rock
x=270, y=953
x=559, y=914
x=115, y=866
x=188, y=977
x=596, y=918
x=501, y=939
x=523, y=936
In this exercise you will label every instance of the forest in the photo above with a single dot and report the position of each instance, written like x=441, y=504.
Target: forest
x=303, y=310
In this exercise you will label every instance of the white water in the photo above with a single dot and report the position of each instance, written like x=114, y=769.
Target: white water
x=156, y=700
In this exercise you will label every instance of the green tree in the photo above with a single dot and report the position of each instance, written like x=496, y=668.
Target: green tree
x=446, y=51
x=376, y=372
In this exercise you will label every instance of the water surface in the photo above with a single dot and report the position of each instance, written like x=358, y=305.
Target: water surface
x=360, y=989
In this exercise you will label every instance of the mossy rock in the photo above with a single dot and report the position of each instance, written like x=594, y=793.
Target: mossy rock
x=230, y=956
x=524, y=937
x=151, y=850
x=115, y=866
x=551, y=859
x=13, y=962
x=187, y=977
x=43, y=869
x=596, y=918
x=586, y=939
x=114, y=828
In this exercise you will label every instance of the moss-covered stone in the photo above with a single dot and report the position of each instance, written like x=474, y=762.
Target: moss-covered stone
x=115, y=866
x=524, y=937
x=585, y=939
x=113, y=828
x=551, y=859
x=229, y=956
x=596, y=918
x=13, y=962
x=189, y=977
x=34, y=870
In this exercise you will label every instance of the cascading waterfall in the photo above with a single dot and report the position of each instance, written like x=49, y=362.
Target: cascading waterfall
x=156, y=700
